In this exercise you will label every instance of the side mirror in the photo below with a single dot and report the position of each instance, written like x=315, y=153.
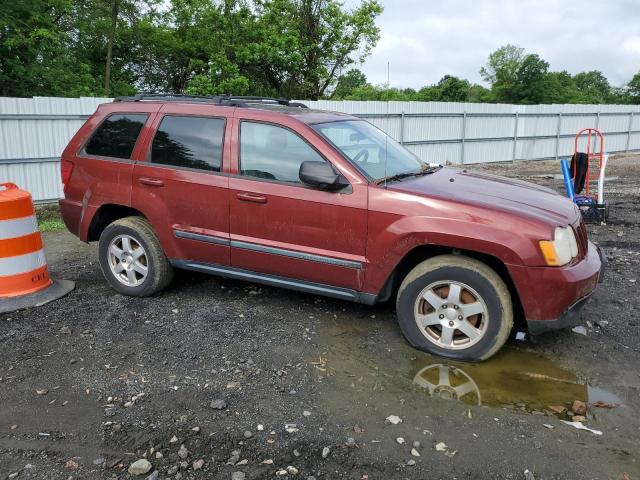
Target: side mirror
x=321, y=175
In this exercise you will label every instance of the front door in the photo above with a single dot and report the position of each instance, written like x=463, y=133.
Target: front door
x=181, y=186
x=282, y=227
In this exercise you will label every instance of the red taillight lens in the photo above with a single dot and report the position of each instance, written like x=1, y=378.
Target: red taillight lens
x=66, y=167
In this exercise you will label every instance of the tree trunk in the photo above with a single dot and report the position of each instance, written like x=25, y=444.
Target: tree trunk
x=112, y=34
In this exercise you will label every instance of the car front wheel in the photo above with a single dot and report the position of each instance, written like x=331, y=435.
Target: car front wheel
x=456, y=307
x=132, y=259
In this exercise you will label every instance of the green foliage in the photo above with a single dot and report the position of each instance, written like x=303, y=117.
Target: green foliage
x=349, y=82
x=516, y=77
x=593, y=87
x=289, y=48
x=284, y=48
x=49, y=218
x=501, y=72
x=448, y=89
x=633, y=89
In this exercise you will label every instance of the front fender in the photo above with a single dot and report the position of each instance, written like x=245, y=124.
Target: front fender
x=392, y=243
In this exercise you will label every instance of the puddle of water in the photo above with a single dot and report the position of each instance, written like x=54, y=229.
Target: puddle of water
x=513, y=378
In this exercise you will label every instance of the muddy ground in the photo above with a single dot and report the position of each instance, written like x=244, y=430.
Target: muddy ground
x=300, y=373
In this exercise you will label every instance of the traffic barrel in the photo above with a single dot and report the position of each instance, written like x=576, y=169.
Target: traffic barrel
x=24, y=276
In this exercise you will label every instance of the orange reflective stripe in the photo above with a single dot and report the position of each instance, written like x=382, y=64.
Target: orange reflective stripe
x=15, y=204
x=12, y=247
x=25, y=283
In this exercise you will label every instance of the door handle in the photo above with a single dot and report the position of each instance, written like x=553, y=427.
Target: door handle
x=152, y=182
x=251, y=197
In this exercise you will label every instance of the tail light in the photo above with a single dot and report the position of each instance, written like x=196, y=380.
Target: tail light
x=66, y=167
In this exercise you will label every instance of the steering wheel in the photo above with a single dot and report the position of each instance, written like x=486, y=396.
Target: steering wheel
x=364, y=153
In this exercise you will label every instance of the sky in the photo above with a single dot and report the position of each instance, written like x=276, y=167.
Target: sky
x=423, y=40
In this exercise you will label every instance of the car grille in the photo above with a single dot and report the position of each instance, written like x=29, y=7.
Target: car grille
x=581, y=237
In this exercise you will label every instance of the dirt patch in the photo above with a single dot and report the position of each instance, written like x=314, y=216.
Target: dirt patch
x=300, y=374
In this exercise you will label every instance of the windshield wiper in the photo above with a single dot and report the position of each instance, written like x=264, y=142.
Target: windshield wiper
x=426, y=170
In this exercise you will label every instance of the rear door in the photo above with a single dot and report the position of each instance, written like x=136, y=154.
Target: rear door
x=282, y=227
x=181, y=185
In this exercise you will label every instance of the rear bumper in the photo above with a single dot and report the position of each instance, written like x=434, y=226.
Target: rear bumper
x=552, y=297
x=71, y=215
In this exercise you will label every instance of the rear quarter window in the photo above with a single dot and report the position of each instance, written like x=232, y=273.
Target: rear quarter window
x=189, y=142
x=116, y=136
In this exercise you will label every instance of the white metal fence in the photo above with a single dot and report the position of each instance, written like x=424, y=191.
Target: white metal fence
x=33, y=132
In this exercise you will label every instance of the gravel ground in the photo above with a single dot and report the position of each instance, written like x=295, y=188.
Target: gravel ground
x=256, y=382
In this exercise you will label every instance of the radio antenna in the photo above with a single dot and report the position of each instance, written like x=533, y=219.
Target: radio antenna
x=386, y=137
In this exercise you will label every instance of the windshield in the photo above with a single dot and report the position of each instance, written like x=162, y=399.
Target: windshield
x=368, y=147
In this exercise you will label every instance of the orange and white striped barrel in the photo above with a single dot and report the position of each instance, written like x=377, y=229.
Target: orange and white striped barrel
x=23, y=267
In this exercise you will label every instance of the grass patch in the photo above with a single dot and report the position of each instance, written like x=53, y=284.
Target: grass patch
x=51, y=225
x=49, y=219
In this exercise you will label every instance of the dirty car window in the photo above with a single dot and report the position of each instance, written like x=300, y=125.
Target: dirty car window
x=273, y=153
x=368, y=147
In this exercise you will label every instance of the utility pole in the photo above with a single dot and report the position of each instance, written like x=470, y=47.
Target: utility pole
x=112, y=34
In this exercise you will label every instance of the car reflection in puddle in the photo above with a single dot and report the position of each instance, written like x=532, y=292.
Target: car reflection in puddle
x=513, y=378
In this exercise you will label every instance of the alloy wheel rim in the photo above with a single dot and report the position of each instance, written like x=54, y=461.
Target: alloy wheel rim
x=451, y=315
x=448, y=383
x=128, y=260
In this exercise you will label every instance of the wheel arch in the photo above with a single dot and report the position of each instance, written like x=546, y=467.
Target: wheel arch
x=107, y=214
x=421, y=253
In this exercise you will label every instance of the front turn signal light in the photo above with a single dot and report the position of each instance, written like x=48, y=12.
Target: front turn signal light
x=549, y=253
x=562, y=249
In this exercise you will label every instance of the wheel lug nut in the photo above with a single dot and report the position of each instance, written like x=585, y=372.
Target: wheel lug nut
x=459, y=317
x=444, y=305
x=451, y=324
x=441, y=316
x=456, y=307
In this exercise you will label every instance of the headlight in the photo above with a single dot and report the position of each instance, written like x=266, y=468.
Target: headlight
x=561, y=249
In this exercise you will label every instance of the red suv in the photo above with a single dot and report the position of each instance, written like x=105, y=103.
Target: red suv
x=270, y=191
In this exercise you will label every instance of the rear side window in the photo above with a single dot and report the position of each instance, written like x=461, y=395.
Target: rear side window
x=116, y=136
x=274, y=153
x=189, y=142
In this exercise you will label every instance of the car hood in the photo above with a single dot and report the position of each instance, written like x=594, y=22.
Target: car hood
x=492, y=191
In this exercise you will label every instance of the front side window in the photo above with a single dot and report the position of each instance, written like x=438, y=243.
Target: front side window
x=273, y=153
x=373, y=151
x=116, y=136
x=189, y=142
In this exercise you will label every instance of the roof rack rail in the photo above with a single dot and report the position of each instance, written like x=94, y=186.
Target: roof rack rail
x=224, y=100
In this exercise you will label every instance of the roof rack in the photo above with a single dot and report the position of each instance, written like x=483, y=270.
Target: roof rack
x=224, y=100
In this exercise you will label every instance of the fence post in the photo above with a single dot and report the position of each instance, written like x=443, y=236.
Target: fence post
x=629, y=132
x=464, y=136
x=402, y=128
x=558, y=135
x=515, y=137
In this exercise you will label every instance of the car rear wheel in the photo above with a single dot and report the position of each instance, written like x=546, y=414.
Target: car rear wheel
x=456, y=307
x=132, y=259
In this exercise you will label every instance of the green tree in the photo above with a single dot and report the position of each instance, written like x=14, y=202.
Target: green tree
x=348, y=82
x=532, y=82
x=633, y=89
x=302, y=45
x=453, y=89
x=593, y=87
x=559, y=87
x=501, y=72
x=35, y=58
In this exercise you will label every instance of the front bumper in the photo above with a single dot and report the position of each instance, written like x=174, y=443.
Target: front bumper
x=570, y=318
x=552, y=297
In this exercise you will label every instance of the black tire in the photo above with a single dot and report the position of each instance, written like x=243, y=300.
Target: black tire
x=486, y=283
x=159, y=271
